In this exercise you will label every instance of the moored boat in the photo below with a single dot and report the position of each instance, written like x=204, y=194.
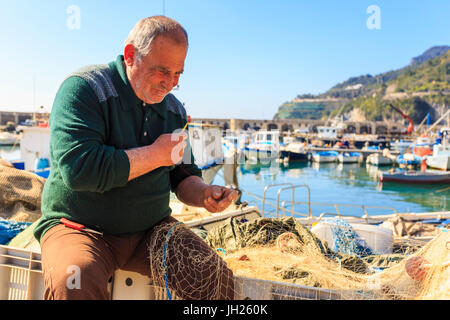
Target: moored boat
x=416, y=177
x=409, y=159
x=440, y=158
x=294, y=151
x=325, y=156
x=423, y=146
x=265, y=146
x=379, y=159
x=8, y=138
x=349, y=157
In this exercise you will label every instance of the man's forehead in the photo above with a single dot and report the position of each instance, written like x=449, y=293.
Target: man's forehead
x=167, y=55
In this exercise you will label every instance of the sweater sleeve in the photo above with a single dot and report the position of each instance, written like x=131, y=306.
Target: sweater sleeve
x=77, y=141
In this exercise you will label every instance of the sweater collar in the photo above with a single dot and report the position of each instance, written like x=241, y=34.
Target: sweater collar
x=127, y=96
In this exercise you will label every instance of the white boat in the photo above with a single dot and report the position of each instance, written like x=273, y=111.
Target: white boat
x=409, y=159
x=327, y=132
x=265, y=146
x=325, y=156
x=233, y=145
x=440, y=159
x=378, y=159
x=294, y=151
x=8, y=138
x=401, y=145
x=349, y=157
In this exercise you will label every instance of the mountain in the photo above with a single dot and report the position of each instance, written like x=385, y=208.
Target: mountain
x=430, y=54
x=417, y=88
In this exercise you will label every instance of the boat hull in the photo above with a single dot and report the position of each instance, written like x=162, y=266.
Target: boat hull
x=322, y=159
x=379, y=160
x=416, y=177
x=260, y=155
x=352, y=158
x=294, y=156
x=439, y=162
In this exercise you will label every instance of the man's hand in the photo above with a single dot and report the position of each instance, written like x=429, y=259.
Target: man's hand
x=170, y=148
x=166, y=151
x=217, y=198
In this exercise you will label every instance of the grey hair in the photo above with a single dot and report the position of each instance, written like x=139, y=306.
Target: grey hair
x=147, y=29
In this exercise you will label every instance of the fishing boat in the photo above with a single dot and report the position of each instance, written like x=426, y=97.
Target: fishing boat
x=416, y=177
x=264, y=146
x=379, y=159
x=328, y=132
x=325, y=156
x=8, y=138
x=233, y=145
x=440, y=159
x=294, y=151
x=423, y=146
x=349, y=157
x=409, y=159
x=401, y=145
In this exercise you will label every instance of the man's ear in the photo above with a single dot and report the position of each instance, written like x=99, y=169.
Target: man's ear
x=129, y=55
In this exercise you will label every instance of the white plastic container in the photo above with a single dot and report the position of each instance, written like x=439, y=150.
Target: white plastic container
x=34, y=144
x=378, y=239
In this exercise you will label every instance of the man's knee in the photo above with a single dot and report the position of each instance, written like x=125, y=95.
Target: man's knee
x=75, y=281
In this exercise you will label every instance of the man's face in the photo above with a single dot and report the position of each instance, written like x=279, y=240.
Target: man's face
x=156, y=74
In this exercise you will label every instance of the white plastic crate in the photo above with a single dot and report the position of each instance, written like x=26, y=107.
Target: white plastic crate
x=20, y=274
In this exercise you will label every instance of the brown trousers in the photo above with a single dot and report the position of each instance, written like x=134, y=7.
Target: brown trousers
x=77, y=264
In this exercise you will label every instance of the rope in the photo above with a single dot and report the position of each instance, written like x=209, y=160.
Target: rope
x=169, y=234
x=223, y=250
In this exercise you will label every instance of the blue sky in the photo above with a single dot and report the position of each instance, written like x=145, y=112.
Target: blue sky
x=246, y=57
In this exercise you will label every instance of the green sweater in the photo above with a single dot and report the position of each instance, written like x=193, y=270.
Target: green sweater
x=95, y=117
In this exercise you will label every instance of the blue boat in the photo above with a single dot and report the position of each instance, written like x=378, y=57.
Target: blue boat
x=349, y=157
x=325, y=156
x=409, y=159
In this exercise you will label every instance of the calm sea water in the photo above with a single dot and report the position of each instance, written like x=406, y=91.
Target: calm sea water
x=348, y=185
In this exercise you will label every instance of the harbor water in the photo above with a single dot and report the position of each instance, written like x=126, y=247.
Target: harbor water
x=336, y=188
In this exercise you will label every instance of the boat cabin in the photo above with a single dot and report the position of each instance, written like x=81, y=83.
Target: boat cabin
x=327, y=132
x=267, y=137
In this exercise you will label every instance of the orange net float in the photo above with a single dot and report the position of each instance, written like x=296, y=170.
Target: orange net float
x=283, y=240
x=417, y=268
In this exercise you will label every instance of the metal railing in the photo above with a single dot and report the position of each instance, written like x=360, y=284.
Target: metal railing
x=309, y=215
x=293, y=197
x=337, y=205
x=267, y=188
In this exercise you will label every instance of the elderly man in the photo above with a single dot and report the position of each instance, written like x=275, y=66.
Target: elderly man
x=114, y=159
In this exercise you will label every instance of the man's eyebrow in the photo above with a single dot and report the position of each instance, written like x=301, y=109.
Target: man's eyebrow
x=164, y=69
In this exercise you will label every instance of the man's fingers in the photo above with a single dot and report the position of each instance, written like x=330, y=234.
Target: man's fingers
x=182, y=137
x=232, y=195
x=217, y=192
x=211, y=205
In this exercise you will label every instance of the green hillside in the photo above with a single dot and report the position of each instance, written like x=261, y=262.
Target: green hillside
x=414, y=88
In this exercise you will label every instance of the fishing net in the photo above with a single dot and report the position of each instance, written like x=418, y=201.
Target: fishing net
x=185, y=266
x=282, y=259
x=20, y=193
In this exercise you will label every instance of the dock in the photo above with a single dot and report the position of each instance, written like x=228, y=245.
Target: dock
x=365, y=152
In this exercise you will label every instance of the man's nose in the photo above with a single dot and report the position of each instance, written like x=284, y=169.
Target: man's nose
x=167, y=82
